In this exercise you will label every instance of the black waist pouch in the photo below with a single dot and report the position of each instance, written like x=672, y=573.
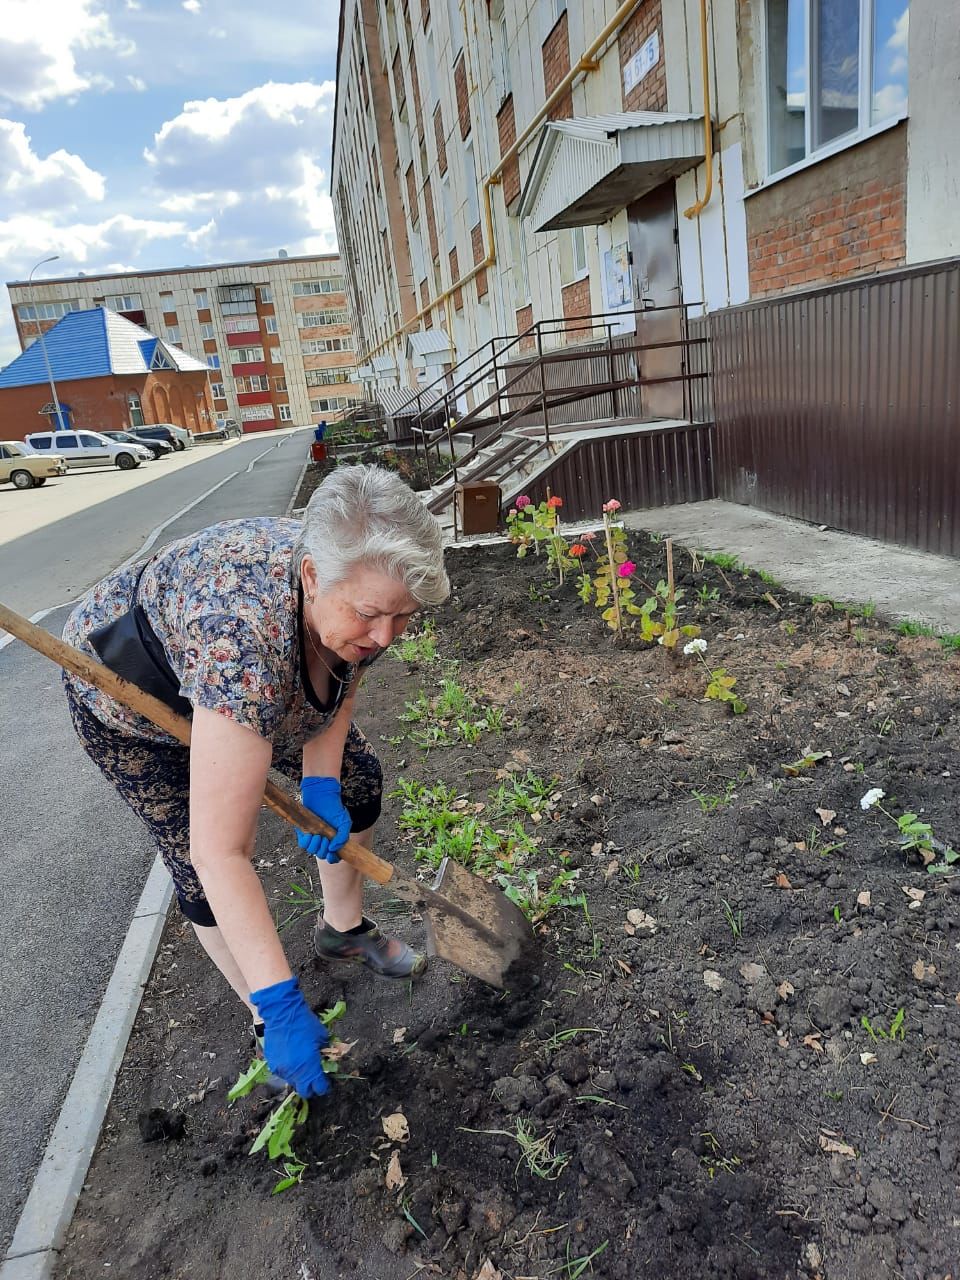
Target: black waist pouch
x=130, y=648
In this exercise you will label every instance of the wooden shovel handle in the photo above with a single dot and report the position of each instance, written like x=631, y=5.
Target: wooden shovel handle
x=95, y=673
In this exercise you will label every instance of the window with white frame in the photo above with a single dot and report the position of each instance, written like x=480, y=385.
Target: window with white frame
x=270, y=324
x=201, y=299
x=550, y=13
x=206, y=331
x=280, y=382
x=317, y=319
x=320, y=346
x=172, y=333
x=329, y=284
x=252, y=382
x=501, y=51
x=274, y=354
x=256, y=412
x=246, y=355
x=123, y=302
x=329, y=405
x=47, y=310
x=470, y=182
x=286, y=413
x=323, y=377
x=835, y=70
x=521, y=276
x=265, y=292
x=578, y=246
x=243, y=324
x=213, y=362
x=217, y=391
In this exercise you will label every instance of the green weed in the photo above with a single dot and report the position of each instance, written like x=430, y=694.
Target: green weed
x=733, y=918
x=896, y=1031
x=524, y=794
x=536, y=1153
x=420, y=648
x=708, y=803
x=722, y=559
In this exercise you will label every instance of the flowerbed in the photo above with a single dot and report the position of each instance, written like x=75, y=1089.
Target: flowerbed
x=739, y=1059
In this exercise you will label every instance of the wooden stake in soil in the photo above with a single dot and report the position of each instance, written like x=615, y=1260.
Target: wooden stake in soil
x=670, y=586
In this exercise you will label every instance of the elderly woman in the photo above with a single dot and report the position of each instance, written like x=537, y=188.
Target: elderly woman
x=261, y=629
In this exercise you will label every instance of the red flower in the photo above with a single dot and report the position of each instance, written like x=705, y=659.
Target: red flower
x=554, y=502
x=578, y=549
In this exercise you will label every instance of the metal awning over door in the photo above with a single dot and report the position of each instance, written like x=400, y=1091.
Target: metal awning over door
x=587, y=169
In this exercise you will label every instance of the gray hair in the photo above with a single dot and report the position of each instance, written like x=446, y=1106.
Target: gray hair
x=365, y=515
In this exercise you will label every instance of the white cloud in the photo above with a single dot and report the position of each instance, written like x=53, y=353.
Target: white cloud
x=192, y=6
x=901, y=32
x=39, y=58
x=136, y=83
x=32, y=182
x=891, y=100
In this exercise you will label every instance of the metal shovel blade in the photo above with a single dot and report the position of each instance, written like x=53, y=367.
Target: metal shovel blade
x=476, y=927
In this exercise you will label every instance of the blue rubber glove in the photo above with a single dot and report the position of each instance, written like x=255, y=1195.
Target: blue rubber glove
x=293, y=1036
x=322, y=797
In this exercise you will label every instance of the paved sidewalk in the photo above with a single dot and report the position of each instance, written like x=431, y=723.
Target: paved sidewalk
x=901, y=583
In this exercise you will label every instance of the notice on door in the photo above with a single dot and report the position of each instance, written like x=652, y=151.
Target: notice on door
x=642, y=62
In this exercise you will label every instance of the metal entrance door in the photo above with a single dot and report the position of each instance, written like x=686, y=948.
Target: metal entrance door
x=655, y=272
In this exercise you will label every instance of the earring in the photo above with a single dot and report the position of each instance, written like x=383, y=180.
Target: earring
x=309, y=599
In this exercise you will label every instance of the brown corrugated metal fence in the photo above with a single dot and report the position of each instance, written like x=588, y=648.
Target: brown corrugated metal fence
x=841, y=406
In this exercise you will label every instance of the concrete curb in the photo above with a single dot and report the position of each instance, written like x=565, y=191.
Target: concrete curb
x=296, y=487
x=34, y=1251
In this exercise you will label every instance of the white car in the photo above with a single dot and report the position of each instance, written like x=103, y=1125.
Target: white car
x=89, y=449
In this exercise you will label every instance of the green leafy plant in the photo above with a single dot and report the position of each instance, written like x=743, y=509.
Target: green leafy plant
x=539, y=526
x=708, y=803
x=707, y=595
x=525, y=793
x=420, y=648
x=915, y=836
x=720, y=687
x=733, y=918
x=722, y=559
x=896, y=1031
x=522, y=886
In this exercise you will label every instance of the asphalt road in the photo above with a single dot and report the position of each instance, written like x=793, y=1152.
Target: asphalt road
x=73, y=859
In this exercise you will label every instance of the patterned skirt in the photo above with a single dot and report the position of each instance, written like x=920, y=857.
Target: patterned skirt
x=154, y=779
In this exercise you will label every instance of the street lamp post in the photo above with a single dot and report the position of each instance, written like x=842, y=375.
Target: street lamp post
x=43, y=345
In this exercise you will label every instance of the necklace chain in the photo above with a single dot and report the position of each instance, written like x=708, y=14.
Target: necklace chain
x=313, y=644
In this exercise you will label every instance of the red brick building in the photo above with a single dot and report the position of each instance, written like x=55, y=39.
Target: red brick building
x=108, y=374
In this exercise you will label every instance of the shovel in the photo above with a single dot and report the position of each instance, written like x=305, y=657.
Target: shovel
x=469, y=922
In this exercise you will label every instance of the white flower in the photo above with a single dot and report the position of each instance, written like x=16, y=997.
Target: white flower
x=873, y=796
x=694, y=646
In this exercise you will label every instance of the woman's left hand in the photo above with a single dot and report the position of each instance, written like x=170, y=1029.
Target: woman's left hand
x=322, y=797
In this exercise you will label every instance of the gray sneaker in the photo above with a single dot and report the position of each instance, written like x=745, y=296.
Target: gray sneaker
x=387, y=957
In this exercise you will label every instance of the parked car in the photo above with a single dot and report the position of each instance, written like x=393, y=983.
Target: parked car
x=177, y=437
x=159, y=448
x=24, y=468
x=226, y=429
x=89, y=449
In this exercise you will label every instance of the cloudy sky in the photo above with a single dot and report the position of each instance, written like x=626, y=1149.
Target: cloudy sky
x=161, y=133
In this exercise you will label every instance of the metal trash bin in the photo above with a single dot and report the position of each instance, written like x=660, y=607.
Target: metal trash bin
x=478, y=506
x=318, y=451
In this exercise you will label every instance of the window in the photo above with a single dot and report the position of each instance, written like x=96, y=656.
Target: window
x=213, y=362
x=329, y=405
x=172, y=333
x=835, y=69
x=256, y=413
x=246, y=324
x=501, y=59
x=123, y=302
x=470, y=181
x=40, y=442
x=69, y=442
x=317, y=319
x=47, y=310
x=135, y=409
x=551, y=11
x=217, y=391
x=329, y=284
x=90, y=442
x=201, y=299
x=246, y=355
x=286, y=413
x=320, y=346
x=321, y=377
x=450, y=230
x=456, y=26
x=265, y=292
x=280, y=382
x=579, y=248
x=270, y=324
x=521, y=278
x=274, y=354
x=206, y=331
x=253, y=382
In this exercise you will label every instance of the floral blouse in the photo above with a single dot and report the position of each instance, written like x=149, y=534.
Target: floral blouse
x=224, y=603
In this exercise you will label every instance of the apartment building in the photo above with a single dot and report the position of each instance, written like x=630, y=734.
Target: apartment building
x=275, y=334
x=502, y=163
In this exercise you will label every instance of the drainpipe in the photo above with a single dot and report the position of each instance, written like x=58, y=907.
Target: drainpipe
x=695, y=210
x=585, y=64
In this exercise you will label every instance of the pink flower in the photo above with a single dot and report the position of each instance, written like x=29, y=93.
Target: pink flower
x=624, y=570
x=612, y=505
x=521, y=502
x=588, y=537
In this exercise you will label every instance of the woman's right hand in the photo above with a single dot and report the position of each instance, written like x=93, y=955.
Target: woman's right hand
x=293, y=1037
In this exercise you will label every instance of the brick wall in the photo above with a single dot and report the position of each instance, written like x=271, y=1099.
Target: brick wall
x=454, y=277
x=100, y=404
x=524, y=321
x=842, y=217
x=651, y=93
x=555, y=52
x=463, y=98
x=576, y=302
x=476, y=244
x=507, y=133
x=441, y=145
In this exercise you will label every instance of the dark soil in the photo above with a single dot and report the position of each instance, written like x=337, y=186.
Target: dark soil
x=407, y=463
x=701, y=1069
